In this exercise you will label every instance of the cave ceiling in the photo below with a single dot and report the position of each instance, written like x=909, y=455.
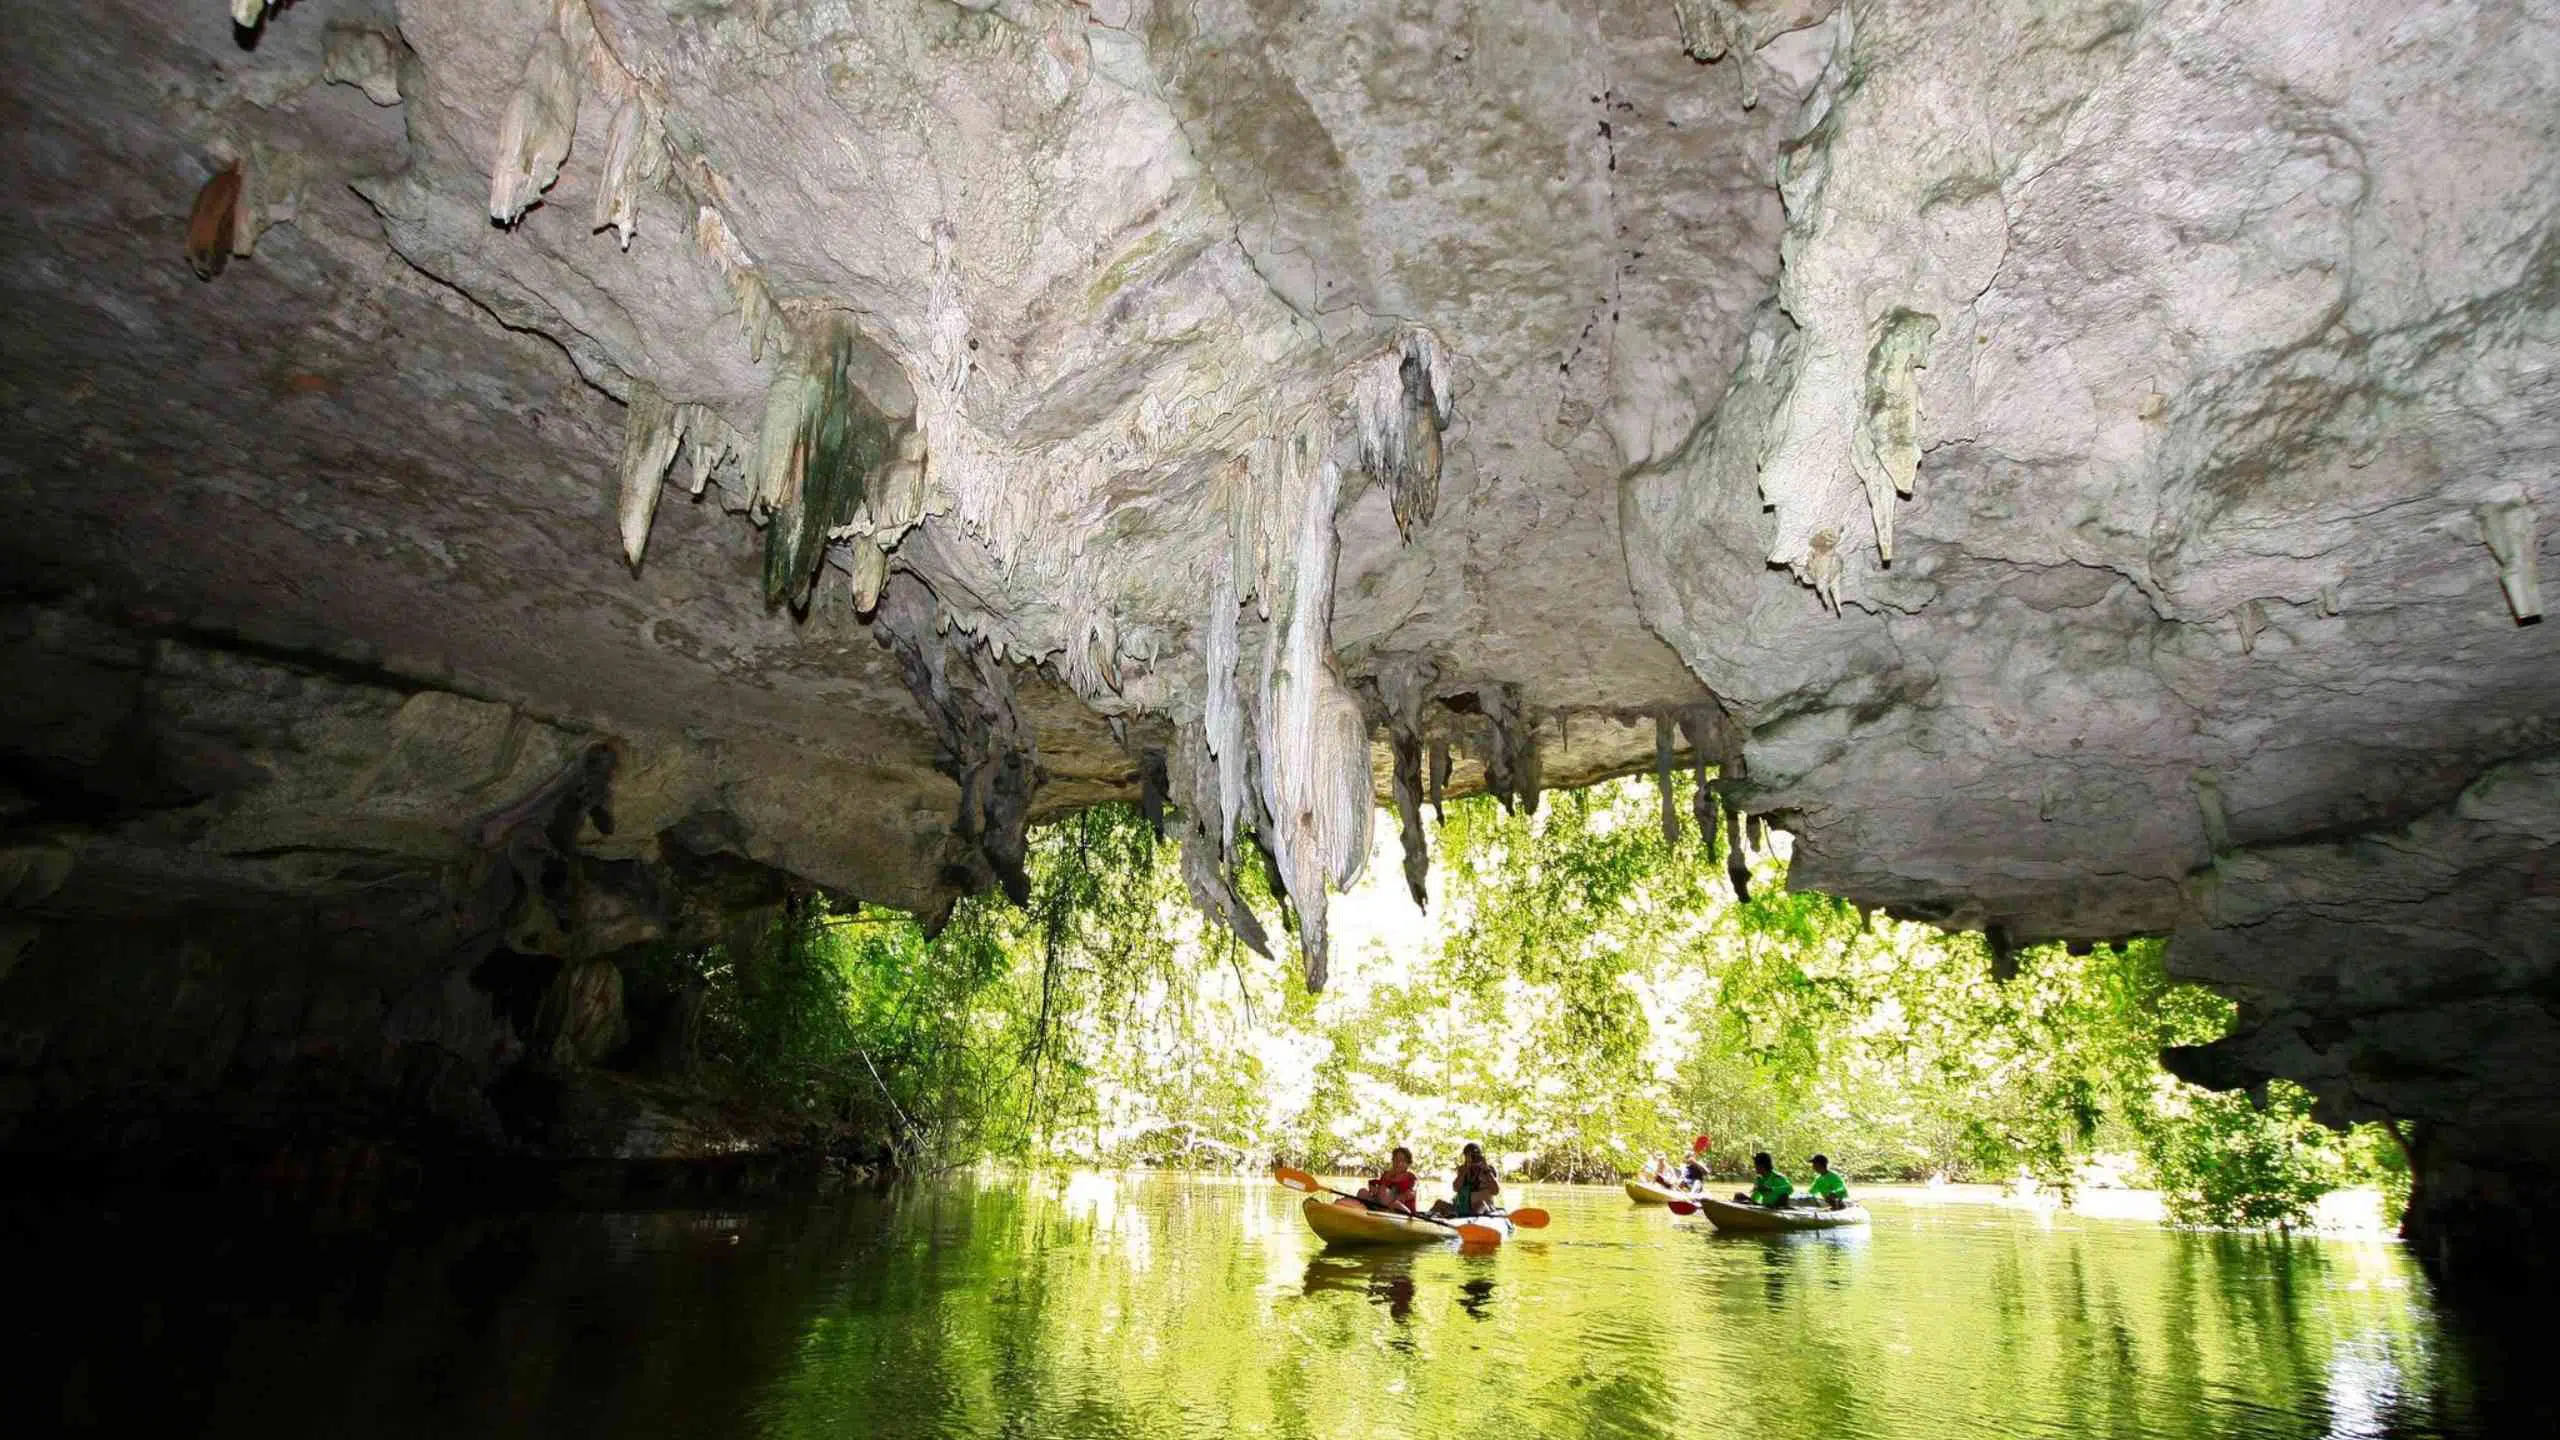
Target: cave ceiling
x=2043, y=453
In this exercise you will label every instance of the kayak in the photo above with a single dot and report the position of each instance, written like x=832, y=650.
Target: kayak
x=1348, y=1222
x=1645, y=1192
x=1758, y=1220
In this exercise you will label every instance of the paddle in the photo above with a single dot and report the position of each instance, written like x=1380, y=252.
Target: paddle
x=1467, y=1234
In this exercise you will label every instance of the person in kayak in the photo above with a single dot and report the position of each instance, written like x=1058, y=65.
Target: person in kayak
x=1827, y=1187
x=1475, y=1185
x=1392, y=1191
x=1771, y=1189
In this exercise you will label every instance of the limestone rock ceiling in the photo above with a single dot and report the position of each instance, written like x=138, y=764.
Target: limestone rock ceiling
x=1236, y=382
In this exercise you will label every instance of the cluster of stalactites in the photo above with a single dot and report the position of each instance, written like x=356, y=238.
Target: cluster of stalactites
x=655, y=432
x=1282, y=762
x=1715, y=747
x=983, y=743
x=827, y=468
x=1312, y=742
x=1402, y=400
x=822, y=448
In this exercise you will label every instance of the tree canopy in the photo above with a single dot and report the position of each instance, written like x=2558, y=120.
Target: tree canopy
x=1585, y=996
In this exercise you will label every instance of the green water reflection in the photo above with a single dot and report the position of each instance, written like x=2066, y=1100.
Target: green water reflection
x=1158, y=1307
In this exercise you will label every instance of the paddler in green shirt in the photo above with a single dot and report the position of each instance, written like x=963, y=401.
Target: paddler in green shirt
x=1827, y=1187
x=1771, y=1189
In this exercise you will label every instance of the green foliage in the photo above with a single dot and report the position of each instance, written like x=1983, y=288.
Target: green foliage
x=1586, y=997
x=2222, y=1159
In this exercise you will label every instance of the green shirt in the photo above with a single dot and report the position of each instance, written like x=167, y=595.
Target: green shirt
x=1827, y=1185
x=1771, y=1189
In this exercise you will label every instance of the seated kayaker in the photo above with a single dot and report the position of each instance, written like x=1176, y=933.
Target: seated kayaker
x=1694, y=1174
x=1394, y=1189
x=1770, y=1189
x=1474, y=1185
x=1827, y=1187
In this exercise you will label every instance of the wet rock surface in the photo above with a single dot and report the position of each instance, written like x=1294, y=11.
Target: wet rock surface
x=2083, y=469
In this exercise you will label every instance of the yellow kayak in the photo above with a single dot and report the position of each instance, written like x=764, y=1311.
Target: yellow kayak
x=1645, y=1192
x=1760, y=1220
x=1348, y=1222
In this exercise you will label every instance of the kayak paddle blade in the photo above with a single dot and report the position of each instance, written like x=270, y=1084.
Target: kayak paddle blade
x=1474, y=1237
x=1296, y=1179
x=1529, y=1219
x=1684, y=1207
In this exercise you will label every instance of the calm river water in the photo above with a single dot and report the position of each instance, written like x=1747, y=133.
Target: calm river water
x=1097, y=1305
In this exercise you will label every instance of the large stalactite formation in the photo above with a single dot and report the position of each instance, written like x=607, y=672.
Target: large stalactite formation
x=2082, y=468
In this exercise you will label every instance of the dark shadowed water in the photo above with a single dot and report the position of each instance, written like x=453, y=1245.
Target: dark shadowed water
x=1096, y=1305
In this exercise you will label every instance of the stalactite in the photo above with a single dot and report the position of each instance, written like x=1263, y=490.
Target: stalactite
x=213, y=222
x=540, y=123
x=1712, y=29
x=714, y=451
x=1213, y=890
x=1737, y=863
x=1760, y=834
x=1823, y=567
x=897, y=502
x=1715, y=739
x=1885, y=449
x=1662, y=778
x=626, y=166
x=2251, y=619
x=1207, y=868
x=983, y=743
x=2004, y=955
x=1400, y=690
x=1439, y=777
x=1511, y=768
x=1222, y=710
x=870, y=572
x=651, y=430
x=1152, y=786
x=363, y=57
x=828, y=456
x=2507, y=528
x=1402, y=400
x=1313, y=742
x=758, y=319
x=1703, y=805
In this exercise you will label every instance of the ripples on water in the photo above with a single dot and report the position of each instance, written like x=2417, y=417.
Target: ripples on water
x=1157, y=1307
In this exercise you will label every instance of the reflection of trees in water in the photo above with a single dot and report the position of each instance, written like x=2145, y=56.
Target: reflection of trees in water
x=1384, y=1276
x=1007, y=1308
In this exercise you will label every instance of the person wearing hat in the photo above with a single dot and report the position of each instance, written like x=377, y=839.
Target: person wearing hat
x=1695, y=1172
